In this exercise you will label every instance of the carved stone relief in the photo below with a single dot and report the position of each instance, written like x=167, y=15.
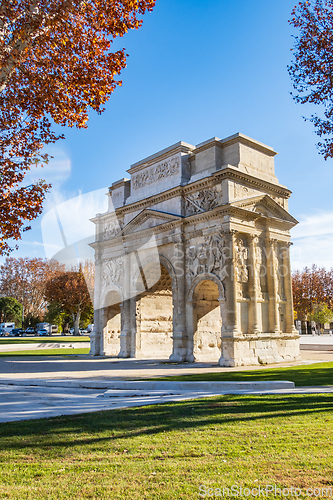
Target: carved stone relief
x=164, y=169
x=241, y=256
x=203, y=200
x=241, y=271
x=113, y=272
x=279, y=272
x=241, y=191
x=206, y=257
x=111, y=228
x=260, y=270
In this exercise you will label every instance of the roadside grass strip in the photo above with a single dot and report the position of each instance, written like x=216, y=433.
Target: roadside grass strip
x=182, y=450
x=42, y=340
x=46, y=352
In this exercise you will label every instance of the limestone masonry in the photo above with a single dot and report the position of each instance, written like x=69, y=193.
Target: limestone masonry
x=192, y=258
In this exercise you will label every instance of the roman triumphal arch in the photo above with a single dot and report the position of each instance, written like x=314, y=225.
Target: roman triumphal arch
x=192, y=258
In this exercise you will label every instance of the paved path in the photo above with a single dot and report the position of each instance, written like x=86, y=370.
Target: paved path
x=29, y=402
x=99, y=368
x=34, y=387
x=316, y=342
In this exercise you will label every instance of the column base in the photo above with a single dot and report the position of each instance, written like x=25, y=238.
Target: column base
x=125, y=345
x=95, y=347
x=226, y=362
x=177, y=357
x=190, y=358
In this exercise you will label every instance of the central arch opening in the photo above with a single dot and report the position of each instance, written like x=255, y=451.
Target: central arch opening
x=208, y=322
x=154, y=316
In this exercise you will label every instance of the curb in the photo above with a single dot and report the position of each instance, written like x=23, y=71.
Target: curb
x=151, y=385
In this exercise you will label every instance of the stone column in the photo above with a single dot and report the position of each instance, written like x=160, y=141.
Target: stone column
x=253, y=286
x=290, y=327
x=96, y=335
x=272, y=285
x=179, y=337
x=133, y=325
x=125, y=335
x=191, y=324
x=231, y=328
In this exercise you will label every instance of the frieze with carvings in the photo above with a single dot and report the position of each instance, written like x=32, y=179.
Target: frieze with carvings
x=164, y=169
x=203, y=200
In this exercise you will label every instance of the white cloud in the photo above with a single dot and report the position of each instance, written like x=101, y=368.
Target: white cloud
x=313, y=241
x=56, y=171
x=68, y=222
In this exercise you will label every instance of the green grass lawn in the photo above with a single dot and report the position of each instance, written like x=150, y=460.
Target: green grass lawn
x=45, y=352
x=41, y=340
x=167, y=451
x=302, y=375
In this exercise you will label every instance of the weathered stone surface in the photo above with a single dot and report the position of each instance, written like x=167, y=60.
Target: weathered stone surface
x=192, y=258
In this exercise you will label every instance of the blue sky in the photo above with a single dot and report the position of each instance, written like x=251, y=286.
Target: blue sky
x=198, y=69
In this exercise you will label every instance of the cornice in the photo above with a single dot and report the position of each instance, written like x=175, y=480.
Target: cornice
x=233, y=173
x=248, y=141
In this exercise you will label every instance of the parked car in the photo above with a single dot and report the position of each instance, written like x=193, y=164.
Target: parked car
x=30, y=331
x=16, y=332
x=83, y=331
x=43, y=333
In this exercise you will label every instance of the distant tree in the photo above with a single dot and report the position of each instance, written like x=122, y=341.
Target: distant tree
x=311, y=286
x=88, y=271
x=25, y=280
x=311, y=71
x=321, y=314
x=56, y=316
x=10, y=310
x=56, y=64
x=69, y=291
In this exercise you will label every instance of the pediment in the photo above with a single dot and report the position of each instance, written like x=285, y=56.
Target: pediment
x=148, y=219
x=265, y=206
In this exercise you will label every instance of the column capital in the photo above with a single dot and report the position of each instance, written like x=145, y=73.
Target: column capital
x=229, y=233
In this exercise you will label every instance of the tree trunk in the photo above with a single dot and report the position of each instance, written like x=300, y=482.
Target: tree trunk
x=76, y=321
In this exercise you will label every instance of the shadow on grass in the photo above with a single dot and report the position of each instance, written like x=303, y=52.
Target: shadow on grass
x=304, y=375
x=104, y=426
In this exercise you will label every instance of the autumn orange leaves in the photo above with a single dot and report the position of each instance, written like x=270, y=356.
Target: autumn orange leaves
x=56, y=64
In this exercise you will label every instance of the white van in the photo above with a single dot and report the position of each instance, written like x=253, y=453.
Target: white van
x=6, y=328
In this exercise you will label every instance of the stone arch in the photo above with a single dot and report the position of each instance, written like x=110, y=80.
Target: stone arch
x=146, y=262
x=155, y=314
x=205, y=313
x=106, y=298
x=205, y=277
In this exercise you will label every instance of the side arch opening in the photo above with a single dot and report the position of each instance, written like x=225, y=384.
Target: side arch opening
x=207, y=322
x=112, y=324
x=154, y=315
